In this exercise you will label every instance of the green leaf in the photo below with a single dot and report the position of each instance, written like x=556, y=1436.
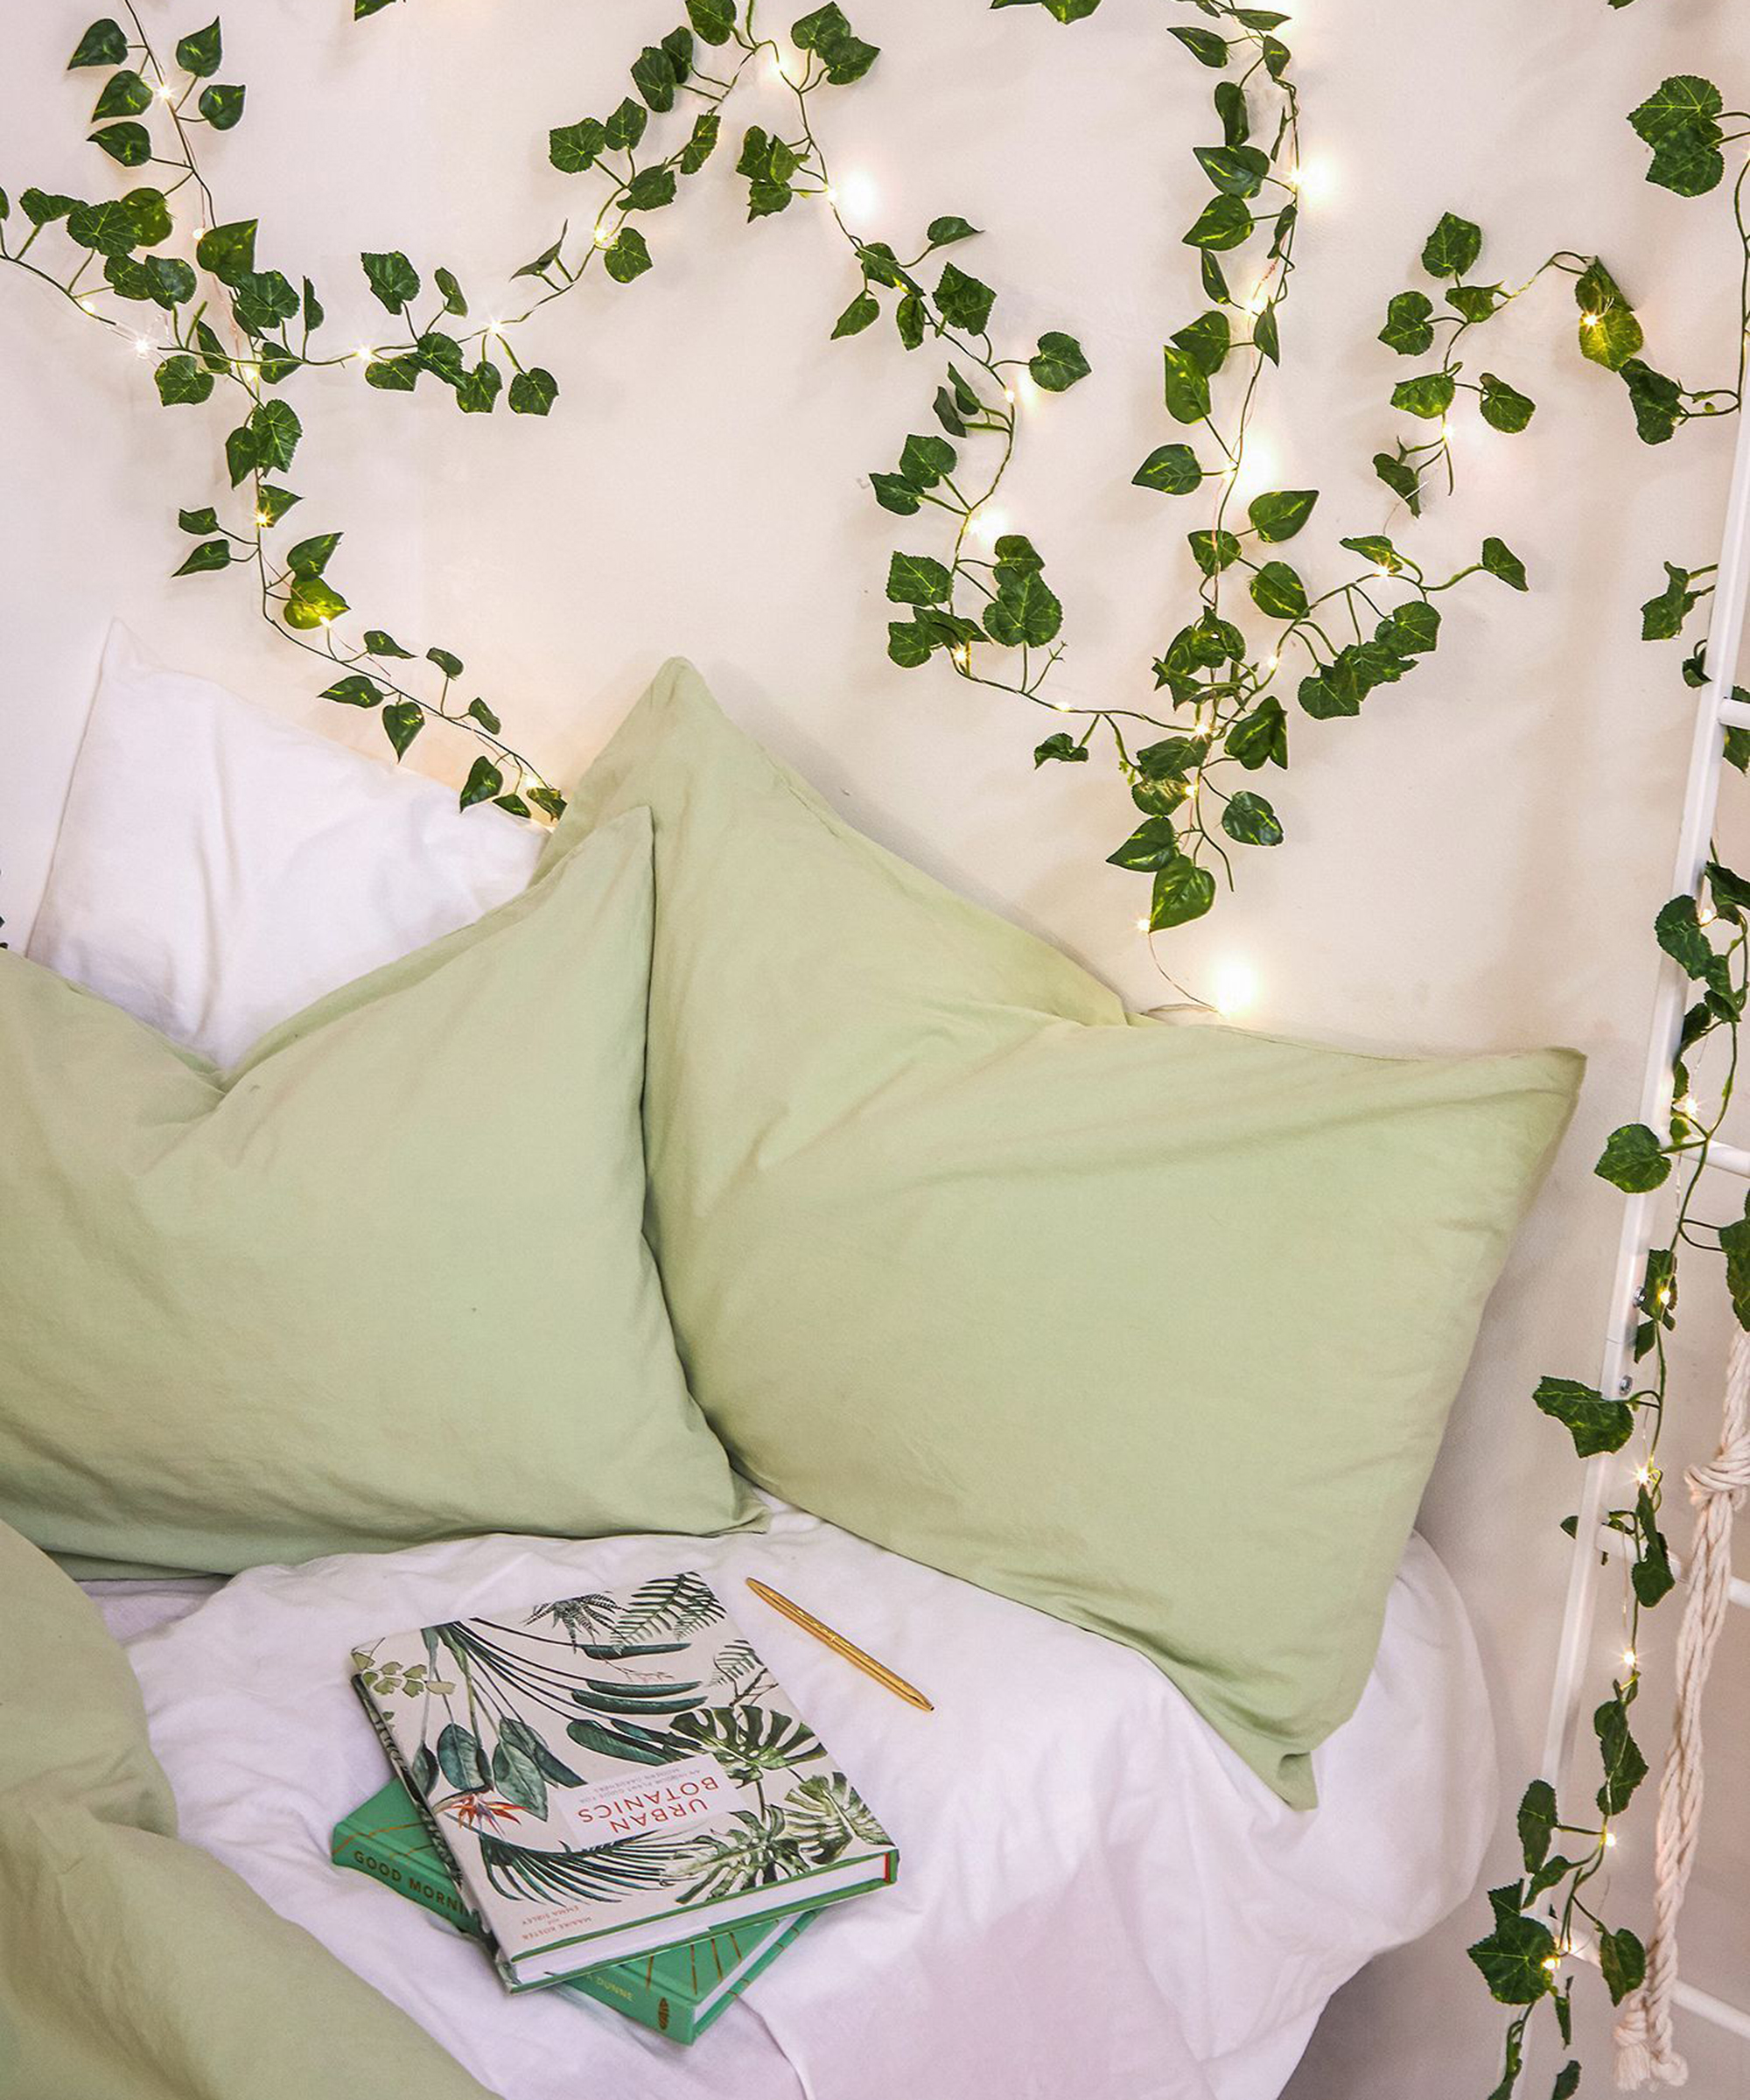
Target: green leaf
x=648, y=191
x=459, y=1757
x=1679, y=119
x=200, y=52
x=1594, y=1423
x=1663, y=616
x=827, y=34
x=654, y=76
x=1213, y=552
x=1182, y=892
x=276, y=430
x=1408, y=328
x=1061, y=746
x=1658, y=401
x=1633, y=1160
x=962, y=301
x=1624, y=1767
x=1376, y=548
x=1651, y=1575
x=1206, y=342
x=310, y=557
x=392, y=278
x=625, y=127
x=1172, y=469
x=42, y=209
x=394, y=374
x=104, y=44
x=916, y=579
x=1059, y=362
x=713, y=21
x=909, y=644
x=150, y=211
x=1610, y=335
x=482, y=714
x=909, y=319
x=941, y=233
x=572, y=148
x=211, y=554
x=1237, y=171
x=381, y=644
x=272, y=503
x=894, y=493
x=1230, y=107
x=701, y=142
x=1411, y=628
x=1500, y=560
x=1475, y=302
x=1172, y=757
x=182, y=379
x=1678, y=931
x=1429, y=395
x=1503, y=407
x=629, y=258
x=312, y=603
x=124, y=95
x=1278, y=591
x=1623, y=1962
x=1204, y=45
x=107, y=229
x=923, y=461
x=1281, y=514
x=1513, y=1960
x=863, y=309
x=402, y=721
x=229, y=251
x=454, y=300
x=1025, y=613
x=222, y=106
x=129, y=143
x=1224, y=223
x=533, y=392
x=484, y=782
x=1568, y=2078
x=1452, y=247
x=1537, y=1818
x=1250, y=819
x=1187, y=385
x=1734, y=1240
x=1260, y=737
x=450, y=665
x=354, y=691
x=205, y=519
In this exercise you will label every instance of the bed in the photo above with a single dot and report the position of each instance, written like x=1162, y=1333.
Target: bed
x=1097, y=1895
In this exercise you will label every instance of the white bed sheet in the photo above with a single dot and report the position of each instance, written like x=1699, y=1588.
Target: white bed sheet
x=1097, y=1897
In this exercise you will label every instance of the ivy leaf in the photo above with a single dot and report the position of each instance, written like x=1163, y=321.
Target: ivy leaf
x=909, y=320
x=484, y=782
x=1182, y=892
x=1230, y=107
x=713, y=21
x=1224, y=223
x=1173, y=758
x=1063, y=747
x=450, y=665
x=229, y=251
x=1678, y=931
x=1206, y=342
x=625, y=127
x=1213, y=552
x=827, y=34
x=484, y=715
x=392, y=278
x=701, y=142
x=923, y=461
x=206, y=520
x=1624, y=1766
x=107, y=229
x=1679, y=119
x=1537, y=1819
x=1734, y=1240
x=533, y=392
x=1663, y=616
x=1250, y=819
x=394, y=374
x=129, y=144
x=1401, y=478
x=380, y=644
x=402, y=721
x=1658, y=401
x=1152, y=845
x=211, y=554
x=276, y=430
x=629, y=258
x=124, y=95
x=1237, y=171
x=572, y=148
x=312, y=603
x=1452, y=246
x=1204, y=45
x=454, y=300
x=1025, y=613
x=182, y=379
x=1651, y=1575
x=354, y=691
x=1513, y=1960
x=1172, y=469
x=861, y=311
x=1260, y=737
x=1187, y=385
x=1475, y=302
x=1408, y=328
x=1278, y=591
x=909, y=644
x=916, y=579
x=648, y=191
x=894, y=493
x=272, y=503
x=962, y=301
x=1633, y=1160
x=1610, y=334
x=654, y=77
x=1281, y=514
x=221, y=105
x=310, y=557
x=200, y=52
x=1568, y=2078
x=1503, y=407
x=1429, y=395
x=940, y=232
x=104, y=44
x=1500, y=560
x=1059, y=363
x=1623, y=1962
x=1594, y=1423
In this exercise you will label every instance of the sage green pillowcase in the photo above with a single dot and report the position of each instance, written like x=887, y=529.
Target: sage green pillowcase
x=384, y=1283
x=1155, y=1329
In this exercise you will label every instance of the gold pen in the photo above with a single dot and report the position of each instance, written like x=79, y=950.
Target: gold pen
x=840, y=1646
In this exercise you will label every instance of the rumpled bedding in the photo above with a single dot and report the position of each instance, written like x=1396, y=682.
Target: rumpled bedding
x=1097, y=1897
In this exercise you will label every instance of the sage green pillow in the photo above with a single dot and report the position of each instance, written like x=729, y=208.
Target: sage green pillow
x=383, y=1283
x=1153, y=1327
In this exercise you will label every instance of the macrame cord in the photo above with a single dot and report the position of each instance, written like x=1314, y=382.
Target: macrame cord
x=1645, y=2054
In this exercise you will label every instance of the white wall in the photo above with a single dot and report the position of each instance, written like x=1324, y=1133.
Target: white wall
x=1472, y=863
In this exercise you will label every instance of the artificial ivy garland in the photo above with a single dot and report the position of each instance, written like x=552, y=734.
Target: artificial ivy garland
x=993, y=619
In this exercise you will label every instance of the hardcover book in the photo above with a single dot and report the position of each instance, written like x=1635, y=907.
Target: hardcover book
x=679, y=1991
x=615, y=1774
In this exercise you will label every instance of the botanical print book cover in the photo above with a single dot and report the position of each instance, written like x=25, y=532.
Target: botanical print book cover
x=606, y=1758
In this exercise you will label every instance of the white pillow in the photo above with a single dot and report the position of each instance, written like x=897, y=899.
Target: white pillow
x=217, y=869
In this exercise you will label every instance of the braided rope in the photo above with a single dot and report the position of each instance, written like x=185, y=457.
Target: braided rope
x=1645, y=2053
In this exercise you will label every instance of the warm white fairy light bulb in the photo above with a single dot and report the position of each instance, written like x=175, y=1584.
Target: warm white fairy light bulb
x=1141, y=925
x=164, y=92
x=855, y=193
x=603, y=236
x=1705, y=914
x=1610, y=1839
x=143, y=345
x=1629, y=1658
x=1312, y=181
x=1643, y=1475
x=1256, y=469
x=988, y=524
x=1236, y=987
x=364, y=352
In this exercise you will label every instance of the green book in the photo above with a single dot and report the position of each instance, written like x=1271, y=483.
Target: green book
x=678, y=1992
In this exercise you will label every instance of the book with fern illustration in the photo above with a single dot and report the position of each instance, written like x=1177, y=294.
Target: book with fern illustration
x=678, y=1991
x=615, y=1774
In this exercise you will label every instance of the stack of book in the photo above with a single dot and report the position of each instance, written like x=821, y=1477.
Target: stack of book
x=614, y=1794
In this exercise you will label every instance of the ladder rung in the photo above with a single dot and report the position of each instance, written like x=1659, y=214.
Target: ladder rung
x=1715, y=2010
x=1735, y=713
x=1620, y=1547
x=1729, y=1158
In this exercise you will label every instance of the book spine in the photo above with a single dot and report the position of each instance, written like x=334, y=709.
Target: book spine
x=407, y=1882
x=434, y=1829
x=626, y=1988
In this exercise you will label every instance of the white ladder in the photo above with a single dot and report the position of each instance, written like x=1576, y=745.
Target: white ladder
x=1716, y=712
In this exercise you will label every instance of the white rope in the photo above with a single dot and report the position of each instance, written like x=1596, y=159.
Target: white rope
x=1645, y=2054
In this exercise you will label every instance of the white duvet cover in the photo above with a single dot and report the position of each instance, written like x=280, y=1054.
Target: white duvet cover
x=1097, y=1899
